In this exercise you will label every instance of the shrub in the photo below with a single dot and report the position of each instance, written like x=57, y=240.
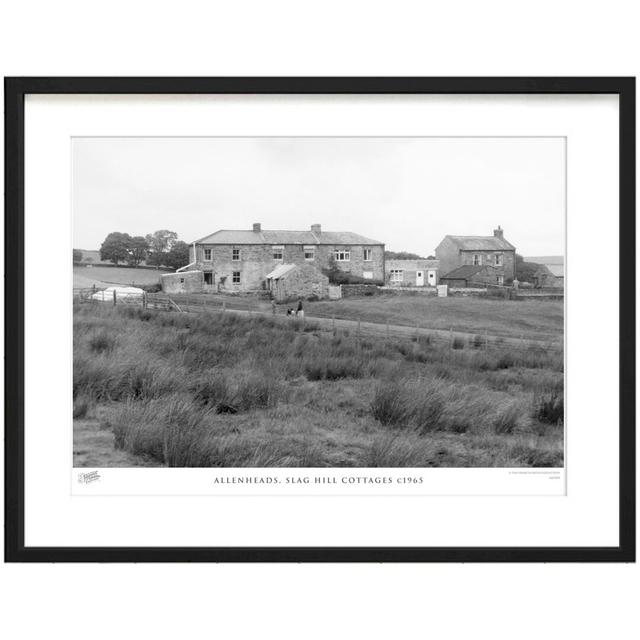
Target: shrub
x=458, y=343
x=549, y=407
x=102, y=342
x=81, y=407
x=506, y=421
x=389, y=405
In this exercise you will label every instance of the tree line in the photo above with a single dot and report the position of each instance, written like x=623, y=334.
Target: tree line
x=161, y=249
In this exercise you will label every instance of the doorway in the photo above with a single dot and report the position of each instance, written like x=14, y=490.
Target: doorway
x=419, y=278
x=431, y=277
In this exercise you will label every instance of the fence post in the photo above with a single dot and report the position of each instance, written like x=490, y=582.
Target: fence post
x=450, y=337
x=333, y=324
x=144, y=299
x=417, y=333
x=224, y=306
x=486, y=340
x=114, y=297
x=387, y=330
x=358, y=329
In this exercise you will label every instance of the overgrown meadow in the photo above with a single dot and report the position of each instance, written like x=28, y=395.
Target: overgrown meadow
x=219, y=390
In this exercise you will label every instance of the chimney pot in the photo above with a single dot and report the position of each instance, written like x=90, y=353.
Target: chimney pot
x=316, y=228
x=257, y=227
x=498, y=233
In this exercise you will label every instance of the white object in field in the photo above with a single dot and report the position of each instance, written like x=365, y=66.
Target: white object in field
x=122, y=293
x=442, y=290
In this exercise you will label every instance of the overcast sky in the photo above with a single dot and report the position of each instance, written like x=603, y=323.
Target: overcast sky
x=405, y=192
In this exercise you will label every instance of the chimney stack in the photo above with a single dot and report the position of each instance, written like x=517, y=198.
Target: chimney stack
x=498, y=232
x=315, y=228
x=257, y=227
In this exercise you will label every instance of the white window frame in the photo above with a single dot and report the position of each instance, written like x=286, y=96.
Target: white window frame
x=233, y=277
x=233, y=255
x=498, y=260
x=204, y=253
x=311, y=250
x=368, y=255
x=477, y=259
x=396, y=275
x=277, y=248
x=345, y=253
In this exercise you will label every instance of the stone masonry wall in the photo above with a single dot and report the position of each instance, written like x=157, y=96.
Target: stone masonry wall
x=256, y=261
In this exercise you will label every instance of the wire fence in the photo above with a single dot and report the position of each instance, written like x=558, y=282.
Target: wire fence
x=357, y=328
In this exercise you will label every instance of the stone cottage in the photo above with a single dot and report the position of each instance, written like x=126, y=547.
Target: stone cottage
x=411, y=273
x=477, y=251
x=289, y=281
x=239, y=260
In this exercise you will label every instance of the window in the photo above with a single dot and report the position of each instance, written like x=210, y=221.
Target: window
x=309, y=253
x=181, y=280
x=207, y=255
x=278, y=253
x=498, y=259
x=477, y=259
x=500, y=280
x=342, y=255
x=235, y=254
x=396, y=275
x=367, y=255
x=368, y=275
x=236, y=277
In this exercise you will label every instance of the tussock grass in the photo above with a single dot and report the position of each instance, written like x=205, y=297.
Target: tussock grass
x=225, y=390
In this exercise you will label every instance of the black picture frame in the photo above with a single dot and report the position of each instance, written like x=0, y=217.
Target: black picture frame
x=15, y=91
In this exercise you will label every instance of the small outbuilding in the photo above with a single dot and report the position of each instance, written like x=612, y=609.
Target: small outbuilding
x=469, y=276
x=297, y=281
x=183, y=282
x=411, y=273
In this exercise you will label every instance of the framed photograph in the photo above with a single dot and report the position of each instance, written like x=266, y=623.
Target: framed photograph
x=320, y=319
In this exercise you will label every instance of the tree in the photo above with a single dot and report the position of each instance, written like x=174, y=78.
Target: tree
x=178, y=256
x=77, y=255
x=525, y=271
x=402, y=255
x=138, y=249
x=159, y=243
x=115, y=247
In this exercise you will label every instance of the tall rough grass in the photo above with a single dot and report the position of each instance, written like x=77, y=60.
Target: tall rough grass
x=222, y=390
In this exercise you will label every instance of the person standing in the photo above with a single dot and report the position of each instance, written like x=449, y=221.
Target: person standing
x=300, y=310
x=273, y=307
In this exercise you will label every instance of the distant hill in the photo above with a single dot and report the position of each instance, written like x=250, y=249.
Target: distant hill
x=555, y=264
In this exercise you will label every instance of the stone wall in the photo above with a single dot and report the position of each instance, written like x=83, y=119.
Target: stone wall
x=302, y=282
x=185, y=282
x=256, y=261
x=353, y=290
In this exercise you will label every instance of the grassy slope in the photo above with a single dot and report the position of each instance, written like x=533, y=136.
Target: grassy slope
x=536, y=318
x=217, y=390
x=530, y=319
x=115, y=275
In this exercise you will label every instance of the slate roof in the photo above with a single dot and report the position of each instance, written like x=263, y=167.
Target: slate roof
x=228, y=236
x=482, y=243
x=280, y=270
x=465, y=271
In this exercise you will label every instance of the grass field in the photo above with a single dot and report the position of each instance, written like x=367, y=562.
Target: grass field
x=171, y=389
x=540, y=319
x=114, y=275
x=528, y=319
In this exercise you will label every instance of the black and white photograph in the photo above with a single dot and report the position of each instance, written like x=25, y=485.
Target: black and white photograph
x=319, y=302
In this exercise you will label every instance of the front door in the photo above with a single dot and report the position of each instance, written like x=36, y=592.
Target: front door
x=419, y=278
x=432, y=278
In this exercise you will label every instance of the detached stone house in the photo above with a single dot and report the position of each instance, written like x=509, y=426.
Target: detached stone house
x=478, y=251
x=411, y=273
x=240, y=260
